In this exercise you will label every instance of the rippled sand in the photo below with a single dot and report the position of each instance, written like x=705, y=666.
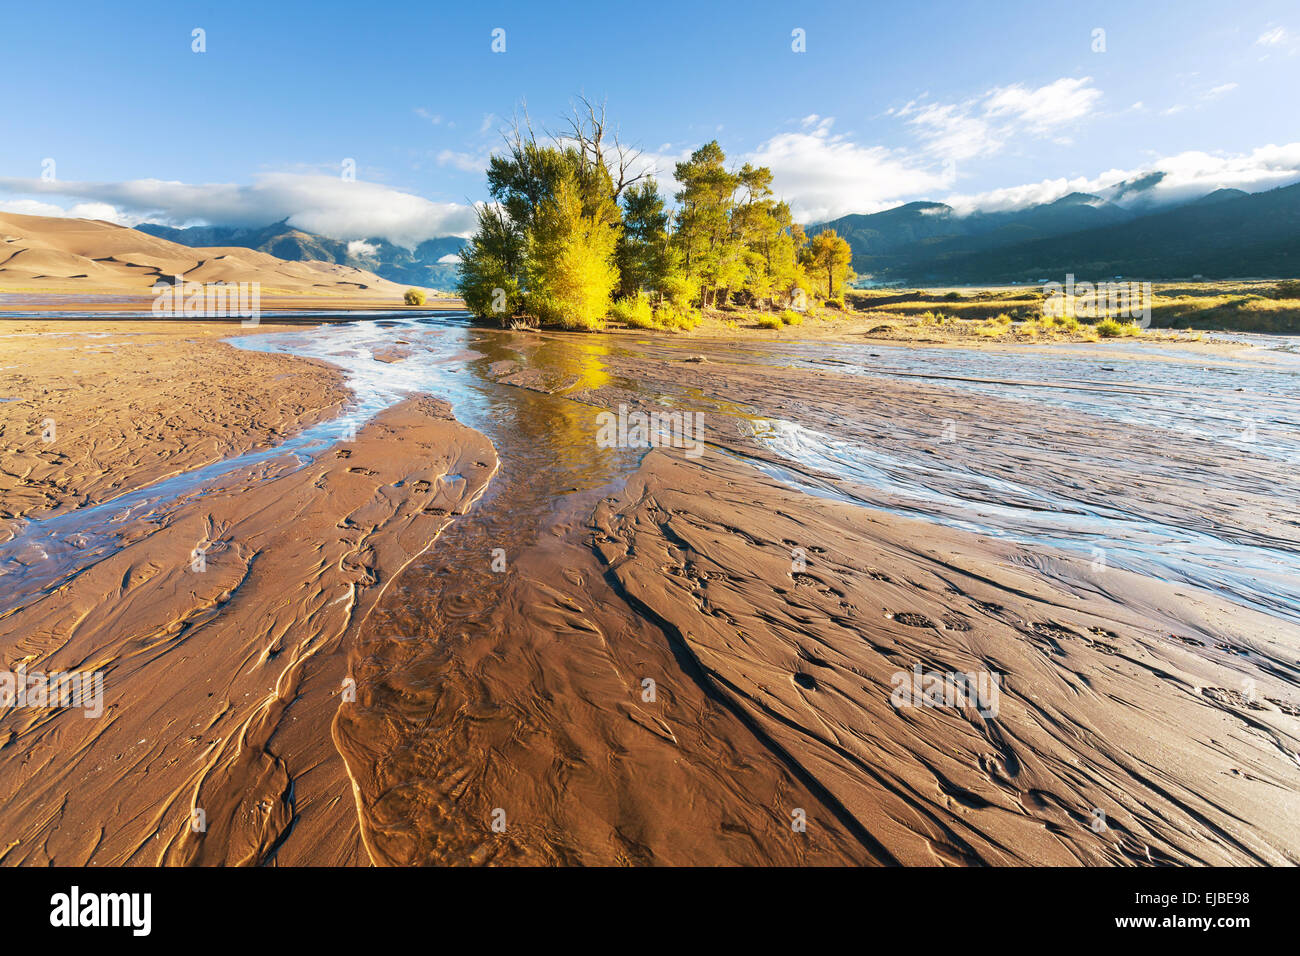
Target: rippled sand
x=563, y=653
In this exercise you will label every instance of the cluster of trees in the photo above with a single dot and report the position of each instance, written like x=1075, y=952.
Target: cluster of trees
x=573, y=235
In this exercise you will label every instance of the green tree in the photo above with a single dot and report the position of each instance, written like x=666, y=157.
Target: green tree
x=491, y=266
x=554, y=206
x=643, y=255
x=704, y=220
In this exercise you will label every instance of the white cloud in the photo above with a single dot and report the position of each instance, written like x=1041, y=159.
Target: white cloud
x=1220, y=90
x=1047, y=107
x=465, y=162
x=450, y=258
x=85, y=210
x=1274, y=37
x=360, y=249
x=983, y=125
x=823, y=175
x=317, y=203
x=950, y=131
x=1180, y=177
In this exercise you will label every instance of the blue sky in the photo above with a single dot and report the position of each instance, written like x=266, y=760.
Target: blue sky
x=979, y=104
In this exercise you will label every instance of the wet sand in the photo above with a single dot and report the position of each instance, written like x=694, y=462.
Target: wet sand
x=131, y=404
x=773, y=598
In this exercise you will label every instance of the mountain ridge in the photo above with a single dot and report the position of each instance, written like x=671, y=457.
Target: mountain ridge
x=420, y=266
x=1226, y=233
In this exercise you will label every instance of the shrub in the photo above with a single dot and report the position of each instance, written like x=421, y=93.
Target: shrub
x=489, y=291
x=680, y=290
x=791, y=317
x=570, y=273
x=1108, y=328
x=414, y=297
x=835, y=304
x=678, y=318
x=1287, y=289
x=634, y=312
x=770, y=322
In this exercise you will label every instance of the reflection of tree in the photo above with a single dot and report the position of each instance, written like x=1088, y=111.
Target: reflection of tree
x=551, y=438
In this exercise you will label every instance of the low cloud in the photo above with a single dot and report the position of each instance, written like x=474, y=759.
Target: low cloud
x=821, y=173
x=317, y=203
x=1173, y=178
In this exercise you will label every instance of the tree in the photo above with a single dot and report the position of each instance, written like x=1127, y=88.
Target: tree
x=491, y=266
x=829, y=255
x=617, y=161
x=703, y=221
x=643, y=256
x=499, y=275
x=570, y=270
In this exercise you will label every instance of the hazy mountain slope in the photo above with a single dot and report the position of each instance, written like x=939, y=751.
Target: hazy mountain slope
x=1227, y=233
x=1219, y=236
x=917, y=235
x=419, y=267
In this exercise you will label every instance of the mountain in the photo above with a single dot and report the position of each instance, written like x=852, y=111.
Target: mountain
x=44, y=253
x=1227, y=234
x=916, y=238
x=419, y=267
x=881, y=232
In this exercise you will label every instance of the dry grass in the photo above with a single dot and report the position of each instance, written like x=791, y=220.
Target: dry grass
x=1015, y=315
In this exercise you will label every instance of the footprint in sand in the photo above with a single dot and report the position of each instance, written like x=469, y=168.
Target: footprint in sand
x=910, y=618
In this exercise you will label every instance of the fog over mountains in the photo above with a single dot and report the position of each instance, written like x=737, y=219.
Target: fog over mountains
x=431, y=264
x=1224, y=234
x=1227, y=233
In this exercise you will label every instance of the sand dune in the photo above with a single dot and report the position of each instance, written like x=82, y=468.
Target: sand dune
x=48, y=254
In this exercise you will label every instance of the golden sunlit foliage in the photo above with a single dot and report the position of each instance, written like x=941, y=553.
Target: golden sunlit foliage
x=574, y=235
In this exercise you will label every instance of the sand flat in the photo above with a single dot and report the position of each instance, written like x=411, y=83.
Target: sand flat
x=1147, y=711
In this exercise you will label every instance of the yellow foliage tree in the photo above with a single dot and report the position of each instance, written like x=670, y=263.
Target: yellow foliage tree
x=571, y=268
x=828, y=255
